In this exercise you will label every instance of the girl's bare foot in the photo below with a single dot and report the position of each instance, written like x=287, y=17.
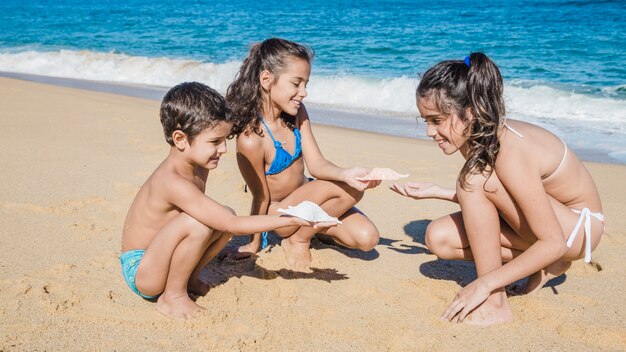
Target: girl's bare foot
x=243, y=252
x=538, y=279
x=495, y=310
x=178, y=306
x=197, y=287
x=298, y=254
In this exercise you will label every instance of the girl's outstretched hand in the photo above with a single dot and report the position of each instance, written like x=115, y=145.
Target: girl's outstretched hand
x=419, y=190
x=350, y=177
x=470, y=297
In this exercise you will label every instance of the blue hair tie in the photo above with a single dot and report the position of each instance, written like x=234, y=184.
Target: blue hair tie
x=467, y=61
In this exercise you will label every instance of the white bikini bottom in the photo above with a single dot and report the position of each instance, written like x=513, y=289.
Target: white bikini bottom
x=585, y=215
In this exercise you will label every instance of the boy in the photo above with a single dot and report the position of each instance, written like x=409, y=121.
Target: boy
x=173, y=229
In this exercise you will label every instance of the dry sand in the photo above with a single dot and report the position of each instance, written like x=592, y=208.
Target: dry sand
x=72, y=161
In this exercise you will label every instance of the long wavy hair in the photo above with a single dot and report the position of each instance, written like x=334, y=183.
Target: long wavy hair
x=245, y=94
x=454, y=86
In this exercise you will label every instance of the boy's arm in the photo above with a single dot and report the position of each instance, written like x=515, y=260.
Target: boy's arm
x=187, y=197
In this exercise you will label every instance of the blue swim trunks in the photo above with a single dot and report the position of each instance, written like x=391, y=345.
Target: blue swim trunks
x=130, y=261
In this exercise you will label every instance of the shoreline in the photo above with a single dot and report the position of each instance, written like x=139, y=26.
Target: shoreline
x=382, y=124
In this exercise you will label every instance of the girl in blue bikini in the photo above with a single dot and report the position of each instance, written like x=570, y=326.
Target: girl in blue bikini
x=274, y=142
x=526, y=200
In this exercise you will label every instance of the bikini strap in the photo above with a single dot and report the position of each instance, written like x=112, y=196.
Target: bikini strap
x=513, y=130
x=276, y=143
x=564, y=156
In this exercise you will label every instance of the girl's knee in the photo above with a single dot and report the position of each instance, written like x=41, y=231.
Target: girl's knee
x=438, y=240
x=367, y=238
x=357, y=196
x=350, y=194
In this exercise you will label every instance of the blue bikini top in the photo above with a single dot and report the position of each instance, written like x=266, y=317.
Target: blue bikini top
x=282, y=158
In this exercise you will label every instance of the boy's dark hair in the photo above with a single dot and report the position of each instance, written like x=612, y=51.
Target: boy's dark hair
x=192, y=107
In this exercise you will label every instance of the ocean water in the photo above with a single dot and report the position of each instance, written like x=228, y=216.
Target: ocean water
x=564, y=62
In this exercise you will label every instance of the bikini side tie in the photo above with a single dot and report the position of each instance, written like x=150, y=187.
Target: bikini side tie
x=585, y=215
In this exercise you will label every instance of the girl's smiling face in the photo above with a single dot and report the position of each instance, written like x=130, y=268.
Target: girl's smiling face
x=287, y=89
x=447, y=130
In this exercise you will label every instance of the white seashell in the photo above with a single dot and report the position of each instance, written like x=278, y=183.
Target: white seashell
x=382, y=173
x=309, y=211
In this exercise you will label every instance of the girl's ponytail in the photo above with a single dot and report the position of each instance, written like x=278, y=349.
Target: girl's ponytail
x=245, y=94
x=484, y=91
x=474, y=83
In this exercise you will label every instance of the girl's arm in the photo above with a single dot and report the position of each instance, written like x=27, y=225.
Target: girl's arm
x=528, y=192
x=320, y=167
x=250, y=159
x=424, y=190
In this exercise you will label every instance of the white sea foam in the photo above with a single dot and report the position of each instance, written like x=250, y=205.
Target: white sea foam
x=560, y=107
x=113, y=67
x=394, y=95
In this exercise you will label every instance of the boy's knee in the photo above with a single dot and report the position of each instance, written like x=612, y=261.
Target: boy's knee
x=438, y=240
x=197, y=229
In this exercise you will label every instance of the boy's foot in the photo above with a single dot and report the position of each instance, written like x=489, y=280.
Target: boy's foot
x=197, y=287
x=177, y=307
x=495, y=310
x=538, y=279
x=298, y=254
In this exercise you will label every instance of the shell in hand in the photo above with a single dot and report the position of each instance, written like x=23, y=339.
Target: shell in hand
x=309, y=211
x=382, y=173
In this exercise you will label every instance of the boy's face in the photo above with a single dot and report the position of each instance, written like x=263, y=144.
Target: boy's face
x=208, y=146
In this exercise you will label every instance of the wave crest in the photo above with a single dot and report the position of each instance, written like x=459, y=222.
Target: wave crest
x=529, y=101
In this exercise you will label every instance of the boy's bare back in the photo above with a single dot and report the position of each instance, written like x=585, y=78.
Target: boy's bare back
x=152, y=207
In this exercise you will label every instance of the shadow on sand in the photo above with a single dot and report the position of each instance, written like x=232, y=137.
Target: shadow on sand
x=459, y=271
x=219, y=270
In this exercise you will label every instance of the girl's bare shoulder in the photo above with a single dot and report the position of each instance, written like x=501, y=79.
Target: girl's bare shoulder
x=525, y=148
x=249, y=140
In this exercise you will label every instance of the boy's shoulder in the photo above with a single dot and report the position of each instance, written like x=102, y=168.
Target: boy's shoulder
x=166, y=179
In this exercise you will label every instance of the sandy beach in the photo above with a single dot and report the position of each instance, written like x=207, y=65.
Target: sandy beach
x=73, y=160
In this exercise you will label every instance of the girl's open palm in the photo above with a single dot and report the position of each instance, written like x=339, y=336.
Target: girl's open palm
x=418, y=190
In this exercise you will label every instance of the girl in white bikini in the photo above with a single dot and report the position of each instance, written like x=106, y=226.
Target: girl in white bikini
x=525, y=199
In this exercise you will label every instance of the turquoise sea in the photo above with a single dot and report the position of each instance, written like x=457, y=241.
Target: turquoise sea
x=564, y=62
